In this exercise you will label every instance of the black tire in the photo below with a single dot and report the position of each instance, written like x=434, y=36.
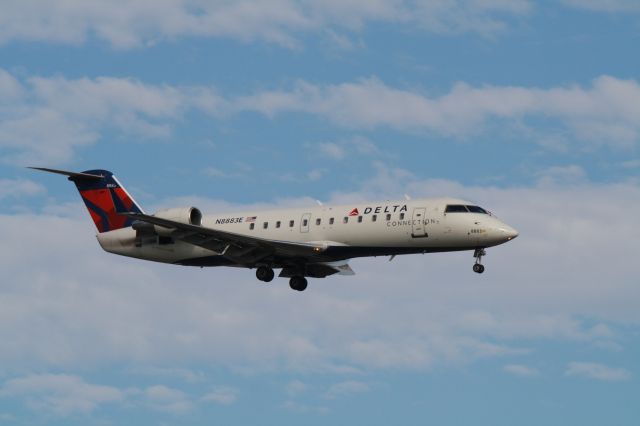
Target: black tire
x=478, y=268
x=298, y=283
x=270, y=276
x=264, y=273
x=303, y=284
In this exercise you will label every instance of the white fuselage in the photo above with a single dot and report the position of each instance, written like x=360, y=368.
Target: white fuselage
x=361, y=229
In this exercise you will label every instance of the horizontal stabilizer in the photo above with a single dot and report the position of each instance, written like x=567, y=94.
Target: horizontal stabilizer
x=70, y=174
x=341, y=268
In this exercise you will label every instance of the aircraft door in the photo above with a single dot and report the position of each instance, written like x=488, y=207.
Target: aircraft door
x=304, y=222
x=419, y=230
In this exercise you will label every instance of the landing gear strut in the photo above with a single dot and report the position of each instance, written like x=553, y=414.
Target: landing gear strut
x=298, y=283
x=478, y=267
x=264, y=273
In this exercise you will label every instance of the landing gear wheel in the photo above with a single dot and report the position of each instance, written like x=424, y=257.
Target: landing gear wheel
x=264, y=273
x=478, y=267
x=298, y=283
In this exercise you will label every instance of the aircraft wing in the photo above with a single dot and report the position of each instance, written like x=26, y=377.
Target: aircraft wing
x=237, y=247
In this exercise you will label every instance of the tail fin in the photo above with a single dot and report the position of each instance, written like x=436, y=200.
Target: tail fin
x=104, y=197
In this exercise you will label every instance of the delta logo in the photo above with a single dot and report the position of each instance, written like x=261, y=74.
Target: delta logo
x=380, y=209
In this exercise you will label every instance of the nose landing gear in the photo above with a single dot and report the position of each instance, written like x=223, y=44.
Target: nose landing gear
x=478, y=267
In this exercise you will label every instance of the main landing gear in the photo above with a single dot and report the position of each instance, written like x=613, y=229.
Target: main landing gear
x=264, y=273
x=478, y=267
x=298, y=283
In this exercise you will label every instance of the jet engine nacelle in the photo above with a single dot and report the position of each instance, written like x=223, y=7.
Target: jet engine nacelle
x=187, y=215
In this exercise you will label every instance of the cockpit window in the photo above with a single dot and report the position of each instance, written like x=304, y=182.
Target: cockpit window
x=456, y=208
x=477, y=209
x=459, y=208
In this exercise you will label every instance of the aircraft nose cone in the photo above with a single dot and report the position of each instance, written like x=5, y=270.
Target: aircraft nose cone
x=509, y=232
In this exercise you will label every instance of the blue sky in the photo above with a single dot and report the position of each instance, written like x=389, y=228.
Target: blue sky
x=531, y=109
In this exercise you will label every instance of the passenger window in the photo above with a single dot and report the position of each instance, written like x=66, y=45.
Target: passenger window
x=456, y=208
x=331, y=221
x=388, y=216
x=291, y=223
x=251, y=226
x=401, y=216
x=278, y=224
x=265, y=225
x=345, y=220
x=359, y=219
x=318, y=221
x=305, y=222
x=374, y=218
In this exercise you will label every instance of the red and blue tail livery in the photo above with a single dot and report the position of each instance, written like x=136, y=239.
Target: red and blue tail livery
x=104, y=197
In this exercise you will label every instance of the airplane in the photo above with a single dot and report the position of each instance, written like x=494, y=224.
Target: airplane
x=311, y=242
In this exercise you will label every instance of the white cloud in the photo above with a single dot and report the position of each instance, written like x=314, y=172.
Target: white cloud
x=222, y=396
x=185, y=374
x=297, y=407
x=237, y=170
x=66, y=395
x=413, y=313
x=459, y=16
x=164, y=398
x=332, y=150
x=10, y=88
x=316, y=174
x=355, y=147
x=214, y=172
x=606, y=113
x=15, y=188
x=562, y=175
x=611, y=6
x=346, y=388
x=295, y=388
x=520, y=370
x=597, y=371
x=61, y=394
x=9, y=418
x=45, y=119
x=136, y=23
x=631, y=164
